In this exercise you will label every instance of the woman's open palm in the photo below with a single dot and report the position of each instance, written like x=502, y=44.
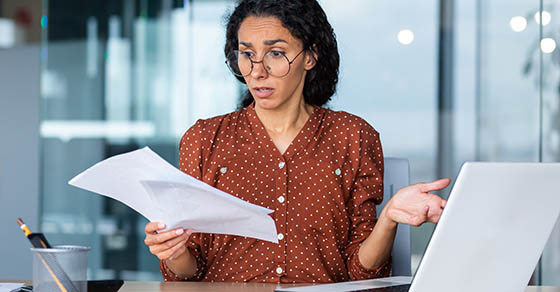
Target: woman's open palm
x=415, y=204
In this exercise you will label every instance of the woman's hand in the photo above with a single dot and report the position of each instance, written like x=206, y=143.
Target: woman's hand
x=415, y=205
x=167, y=245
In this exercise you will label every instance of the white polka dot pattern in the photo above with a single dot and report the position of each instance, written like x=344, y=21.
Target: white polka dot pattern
x=323, y=190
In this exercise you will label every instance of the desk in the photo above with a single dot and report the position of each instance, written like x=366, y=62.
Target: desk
x=233, y=287
x=131, y=286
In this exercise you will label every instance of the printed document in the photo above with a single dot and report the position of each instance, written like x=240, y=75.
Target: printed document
x=160, y=192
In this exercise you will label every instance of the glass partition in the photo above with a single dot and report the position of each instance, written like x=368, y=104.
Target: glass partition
x=119, y=75
x=549, y=84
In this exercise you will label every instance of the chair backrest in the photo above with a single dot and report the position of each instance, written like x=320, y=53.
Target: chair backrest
x=397, y=175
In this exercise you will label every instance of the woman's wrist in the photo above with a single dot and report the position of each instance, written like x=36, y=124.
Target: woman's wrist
x=385, y=221
x=182, y=266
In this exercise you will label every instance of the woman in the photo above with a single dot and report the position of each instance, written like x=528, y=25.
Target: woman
x=321, y=171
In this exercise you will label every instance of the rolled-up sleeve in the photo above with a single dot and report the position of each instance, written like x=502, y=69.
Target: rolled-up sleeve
x=367, y=192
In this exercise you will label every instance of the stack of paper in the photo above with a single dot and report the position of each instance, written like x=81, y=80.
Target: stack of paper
x=160, y=192
x=8, y=287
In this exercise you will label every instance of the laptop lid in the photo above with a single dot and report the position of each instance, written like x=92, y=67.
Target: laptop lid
x=493, y=229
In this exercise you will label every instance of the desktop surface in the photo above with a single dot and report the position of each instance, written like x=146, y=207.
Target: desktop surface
x=238, y=287
x=133, y=286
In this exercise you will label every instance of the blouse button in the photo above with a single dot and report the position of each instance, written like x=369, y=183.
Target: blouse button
x=280, y=236
x=281, y=199
x=279, y=270
x=281, y=165
x=223, y=169
x=337, y=171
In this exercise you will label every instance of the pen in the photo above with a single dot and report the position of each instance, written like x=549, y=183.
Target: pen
x=38, y=240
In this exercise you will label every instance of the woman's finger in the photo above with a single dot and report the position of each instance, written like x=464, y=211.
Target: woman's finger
x=159, y=238
x=165, y=255
x=434, y=186
x=417, y=220
x=179, y=252
x=435, y=218
x=157, y=248
x=152, y=227
x=436, y=201
x=434, y=214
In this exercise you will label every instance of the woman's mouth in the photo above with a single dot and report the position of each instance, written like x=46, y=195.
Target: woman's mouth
x=263, y=92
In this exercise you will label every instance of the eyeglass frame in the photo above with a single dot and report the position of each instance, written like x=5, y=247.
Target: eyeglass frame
x=262, y=61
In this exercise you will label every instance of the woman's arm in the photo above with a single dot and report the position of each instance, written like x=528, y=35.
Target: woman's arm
x=171, y=247
x=413, y=205
x=184, y=266
x=376, y=249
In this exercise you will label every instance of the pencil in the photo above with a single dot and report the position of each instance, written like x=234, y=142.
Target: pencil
x=38, y=240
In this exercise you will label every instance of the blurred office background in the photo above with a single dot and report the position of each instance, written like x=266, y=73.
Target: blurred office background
x=443, y=82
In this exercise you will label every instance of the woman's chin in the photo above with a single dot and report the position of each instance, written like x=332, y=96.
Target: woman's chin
x=266, y=104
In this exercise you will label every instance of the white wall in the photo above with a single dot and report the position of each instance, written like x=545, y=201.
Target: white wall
x=19, y=157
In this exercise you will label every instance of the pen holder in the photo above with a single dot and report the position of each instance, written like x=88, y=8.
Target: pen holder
x=60, y=269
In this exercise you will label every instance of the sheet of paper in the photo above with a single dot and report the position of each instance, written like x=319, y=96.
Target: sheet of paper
x=160, y=192
x=363, y=285
x=7, y=287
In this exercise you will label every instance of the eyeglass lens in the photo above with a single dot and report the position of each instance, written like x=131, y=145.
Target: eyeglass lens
x=275, y=63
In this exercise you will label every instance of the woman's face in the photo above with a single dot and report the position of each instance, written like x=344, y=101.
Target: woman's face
x=259, y=36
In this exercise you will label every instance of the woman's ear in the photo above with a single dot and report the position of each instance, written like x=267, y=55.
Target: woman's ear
x=311, y=58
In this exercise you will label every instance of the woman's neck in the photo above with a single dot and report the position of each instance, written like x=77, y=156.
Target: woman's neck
x=284, y=119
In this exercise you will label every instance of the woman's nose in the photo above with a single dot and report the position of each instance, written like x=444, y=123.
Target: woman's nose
x=258, y=70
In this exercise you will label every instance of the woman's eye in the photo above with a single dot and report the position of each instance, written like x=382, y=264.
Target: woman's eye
x=246, y=54
x=276, y=53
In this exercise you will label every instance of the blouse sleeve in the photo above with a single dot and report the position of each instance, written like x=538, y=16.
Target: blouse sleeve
x=367, y=192
x=191, y=162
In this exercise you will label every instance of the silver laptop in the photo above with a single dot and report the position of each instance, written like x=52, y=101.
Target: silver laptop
x=490, y=236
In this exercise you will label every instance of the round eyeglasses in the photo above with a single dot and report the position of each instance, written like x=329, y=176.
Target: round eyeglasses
x=276, y=63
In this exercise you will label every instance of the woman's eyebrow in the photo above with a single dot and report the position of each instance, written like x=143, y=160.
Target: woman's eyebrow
x=248, y=45
x=272, y=42
x=266, y=42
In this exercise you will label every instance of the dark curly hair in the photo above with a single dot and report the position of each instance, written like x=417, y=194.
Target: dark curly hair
x=306, y=20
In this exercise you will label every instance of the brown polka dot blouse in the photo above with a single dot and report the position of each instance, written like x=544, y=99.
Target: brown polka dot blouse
x=323, y=191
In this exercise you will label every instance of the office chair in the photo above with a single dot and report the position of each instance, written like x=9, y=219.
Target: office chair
x=397, y=175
